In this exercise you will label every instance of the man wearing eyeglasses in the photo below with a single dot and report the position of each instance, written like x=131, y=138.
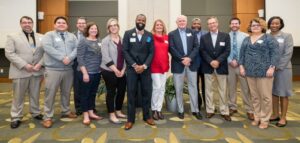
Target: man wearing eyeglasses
x=25, y=52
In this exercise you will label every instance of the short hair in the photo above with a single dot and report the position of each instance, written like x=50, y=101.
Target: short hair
x=181, y=16
x=261, y=22
x=276, y=17
x=164, y=32
x=26, y=17
x=213, y=17
x=108, y=23
x=196, y=19
x=60, y=17
x=235, y=18
x=141, y=15
x=83, y=18
x=88, y=27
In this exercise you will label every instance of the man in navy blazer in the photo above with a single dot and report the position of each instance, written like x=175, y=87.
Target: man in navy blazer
x=215, y=48
x=184, y=49
x=138, y=53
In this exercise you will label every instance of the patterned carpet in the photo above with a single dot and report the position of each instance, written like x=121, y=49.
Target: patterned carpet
x=170, y=130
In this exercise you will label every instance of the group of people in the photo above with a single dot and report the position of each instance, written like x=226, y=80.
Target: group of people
x=261, y=62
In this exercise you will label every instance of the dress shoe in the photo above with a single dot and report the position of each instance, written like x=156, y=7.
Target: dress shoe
x=160, y=115
x=209, y=115
x=114, y=122
x=121, y=116
x=96, y=118
x=70, y=115
x=128, y=125
x=155, y=115
x=15, y=124
x=78, y=113
x=197, y=115
x=232, y=111
x=281, y=125
x=274, y=119
x=181, y=115
x=38, y=117
x=150, y=122
x=250, y=116
x=47, y=123
x=226, y=117
x=86, y=122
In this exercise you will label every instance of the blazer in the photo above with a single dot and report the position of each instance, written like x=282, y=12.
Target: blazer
x=220, y=52
x=177, y=52
x=135, y=51
x=19, y=53
x=109, y=52
x=286, y=46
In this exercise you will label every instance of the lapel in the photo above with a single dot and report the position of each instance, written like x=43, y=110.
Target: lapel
x=188, y=39
x=177, y=38
x=111, y=42
x=24, y=39
x=218, y=41
x=210, y=41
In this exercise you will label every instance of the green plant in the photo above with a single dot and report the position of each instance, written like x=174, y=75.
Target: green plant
x=101, y=88
x=170, y=88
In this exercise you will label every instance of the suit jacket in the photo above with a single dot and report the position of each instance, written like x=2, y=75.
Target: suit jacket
x=135, y=51
x=109, y=52
x=177, y=52
x=220, y=52
x=19, y=53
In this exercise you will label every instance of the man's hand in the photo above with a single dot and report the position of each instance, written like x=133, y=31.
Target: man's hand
x=37, y=67
x=234, y=63
x=186, y=61
x=29, y=68
x=66, y=61
x=139, y=69
x=215, y=64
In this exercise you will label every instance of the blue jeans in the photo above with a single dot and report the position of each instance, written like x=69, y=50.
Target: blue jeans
x=88, y=91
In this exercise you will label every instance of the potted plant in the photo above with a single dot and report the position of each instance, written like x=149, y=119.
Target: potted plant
x=170, y=95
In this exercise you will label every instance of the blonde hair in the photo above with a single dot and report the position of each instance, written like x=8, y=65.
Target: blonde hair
x=261, y=22
x=164, y=32
x=109, y=21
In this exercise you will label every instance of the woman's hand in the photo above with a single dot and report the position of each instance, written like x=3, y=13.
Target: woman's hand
x=86, y=78
x=242, y=71
x=270, y=72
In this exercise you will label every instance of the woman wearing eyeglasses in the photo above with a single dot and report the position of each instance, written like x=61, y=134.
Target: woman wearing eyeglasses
x=258, y=60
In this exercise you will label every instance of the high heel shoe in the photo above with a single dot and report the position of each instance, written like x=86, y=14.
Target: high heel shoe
x=87, y=122
x=96, y=117
x=281, y=125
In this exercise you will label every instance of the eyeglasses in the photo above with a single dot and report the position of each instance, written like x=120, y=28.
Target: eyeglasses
x=26, y=22
x=255, y=25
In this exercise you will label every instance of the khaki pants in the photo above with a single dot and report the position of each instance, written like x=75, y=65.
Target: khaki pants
x=222, y=88
x=261, y=95
x=233, y=78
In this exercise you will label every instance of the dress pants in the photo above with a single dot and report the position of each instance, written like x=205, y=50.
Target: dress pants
x=192, y=87
x=116, y=88
x=54, y=80
x=233, y=77
x=222, y=87
x=201, y=93
x=159, y=88
x=76, y=87
x=146, y=87
x=261, y=95
x=31, y=84
x=88, y=91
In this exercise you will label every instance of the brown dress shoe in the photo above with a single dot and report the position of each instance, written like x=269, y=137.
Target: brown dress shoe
x=47, y=123
x=128, y=125
x=250, y=116
x=209, y=115
x=232, y=111
x=150, y=122
x=226, y=117
x=70, y=115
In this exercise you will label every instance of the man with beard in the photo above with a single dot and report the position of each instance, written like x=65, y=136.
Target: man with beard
x=237, y=38
x=196, y=26
x=138, y=52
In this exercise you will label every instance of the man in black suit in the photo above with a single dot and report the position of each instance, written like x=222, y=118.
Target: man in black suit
x=138, y=52
x=184, y=49
x=215, y=48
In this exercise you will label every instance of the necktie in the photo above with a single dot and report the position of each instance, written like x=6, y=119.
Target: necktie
x=62, y=36
x=30, y=40
x=234, y=46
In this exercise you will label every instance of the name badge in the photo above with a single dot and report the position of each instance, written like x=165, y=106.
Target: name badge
x=133, y=34
x=188, y=34
x=99, y=44
x=222, y=43
x=166, y=42
x=132, y=40
x=57, y=39
x=260, y=41
x=280, y=40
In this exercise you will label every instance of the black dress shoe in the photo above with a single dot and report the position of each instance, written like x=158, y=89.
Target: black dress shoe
x=95, y=111
x=197, y=115
x=15, y=124
x=38, y=117
x=160, y=115
x=275, y=119
x=181, y=115
x=155, y=115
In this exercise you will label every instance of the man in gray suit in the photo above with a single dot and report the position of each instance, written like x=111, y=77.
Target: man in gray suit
x=60, y=48
x=24, y=51
x=184, y=49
